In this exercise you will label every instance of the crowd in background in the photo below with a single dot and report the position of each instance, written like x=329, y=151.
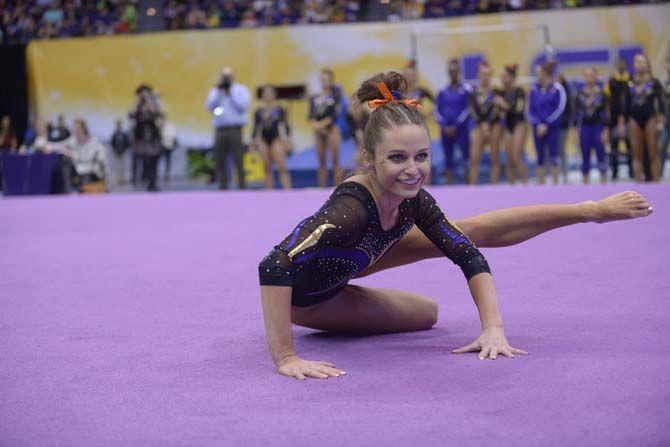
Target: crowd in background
x=24, y=20
x=417, y=9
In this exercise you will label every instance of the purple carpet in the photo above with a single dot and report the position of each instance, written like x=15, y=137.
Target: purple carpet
x=135, y=320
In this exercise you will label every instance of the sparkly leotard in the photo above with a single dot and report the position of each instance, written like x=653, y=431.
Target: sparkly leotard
x=483, y=107
x=345, y=236
x=645, y=102
x=516, y=100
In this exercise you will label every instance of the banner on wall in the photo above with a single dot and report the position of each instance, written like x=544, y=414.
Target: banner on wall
x=96, y=77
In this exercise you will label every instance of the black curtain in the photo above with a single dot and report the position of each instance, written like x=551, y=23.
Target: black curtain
x=14, y=87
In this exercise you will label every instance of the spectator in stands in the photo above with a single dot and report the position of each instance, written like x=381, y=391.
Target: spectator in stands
x=249, y=19
x=120, y=143
x=230, y=16
x=54, y=14
x=147, y=114
x=42, y=19
x=8, y=140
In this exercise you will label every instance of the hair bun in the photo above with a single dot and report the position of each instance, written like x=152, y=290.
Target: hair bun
x=369, y=91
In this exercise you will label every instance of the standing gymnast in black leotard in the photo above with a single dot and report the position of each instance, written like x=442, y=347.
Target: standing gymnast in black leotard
x=646, y=117
x=270, y=137
x=384, y=218
x=414, y=90
x=512, y=102
x=324, y=110
x=488, y=128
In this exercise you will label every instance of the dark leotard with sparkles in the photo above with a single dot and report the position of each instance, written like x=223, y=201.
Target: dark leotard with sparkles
x=592, y=107
x=326, y=105
x=516, y=100
x=345, y=236
x=267, y=123
x=645, y=102
x=484, y=110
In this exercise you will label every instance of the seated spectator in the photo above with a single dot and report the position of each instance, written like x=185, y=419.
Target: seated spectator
x=29, y=135
x=42, y=143
x=88, y=156
x=8, y=140
x=59, y=132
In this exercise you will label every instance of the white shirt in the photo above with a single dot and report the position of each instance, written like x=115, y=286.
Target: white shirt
x=229, y=109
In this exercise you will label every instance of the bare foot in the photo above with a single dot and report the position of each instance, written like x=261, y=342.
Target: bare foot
x=620, y=206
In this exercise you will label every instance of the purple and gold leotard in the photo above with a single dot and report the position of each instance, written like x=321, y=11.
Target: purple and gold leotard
x=345, y=236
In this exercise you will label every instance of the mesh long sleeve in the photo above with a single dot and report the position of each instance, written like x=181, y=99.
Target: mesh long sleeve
x=448, y=238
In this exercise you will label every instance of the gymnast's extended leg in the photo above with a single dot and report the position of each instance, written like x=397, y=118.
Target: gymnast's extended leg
x=511, y=226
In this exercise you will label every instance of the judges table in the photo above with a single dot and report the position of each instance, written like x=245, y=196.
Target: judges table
x=28, y=174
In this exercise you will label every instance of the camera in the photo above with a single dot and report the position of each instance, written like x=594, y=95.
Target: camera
x=225, y=82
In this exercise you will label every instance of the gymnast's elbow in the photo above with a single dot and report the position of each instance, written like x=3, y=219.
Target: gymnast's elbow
x=474, y=265
x=273, y=270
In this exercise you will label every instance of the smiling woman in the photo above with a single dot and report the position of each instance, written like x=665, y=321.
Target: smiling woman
x=305, y=278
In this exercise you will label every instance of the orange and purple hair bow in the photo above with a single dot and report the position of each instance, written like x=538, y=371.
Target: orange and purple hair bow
x=392, y=97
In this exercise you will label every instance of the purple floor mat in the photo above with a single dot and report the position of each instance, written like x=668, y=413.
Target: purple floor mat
x=135, y=320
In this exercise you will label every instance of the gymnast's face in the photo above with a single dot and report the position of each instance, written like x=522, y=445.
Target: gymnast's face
x=507, y=78
x=640, y=64
x=454, y=71
x=402, y=160
x=485, y=73
x=326, y=80
x=590, y=76
x=269, y=94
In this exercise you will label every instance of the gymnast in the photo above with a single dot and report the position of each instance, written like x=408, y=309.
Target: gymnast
x=383, y=219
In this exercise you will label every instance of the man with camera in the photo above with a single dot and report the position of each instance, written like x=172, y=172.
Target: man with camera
x=228, y=102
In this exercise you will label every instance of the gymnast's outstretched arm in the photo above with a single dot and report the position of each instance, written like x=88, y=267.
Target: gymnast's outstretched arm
x=511, y=226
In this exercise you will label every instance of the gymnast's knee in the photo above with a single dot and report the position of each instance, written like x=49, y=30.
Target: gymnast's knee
x=430, y=315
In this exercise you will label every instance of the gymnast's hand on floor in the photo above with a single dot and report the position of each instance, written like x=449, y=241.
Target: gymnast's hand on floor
x=300, y=369
x=490, y=343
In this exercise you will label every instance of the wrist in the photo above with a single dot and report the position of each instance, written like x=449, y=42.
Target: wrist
x=283, y=359
x=493, y=324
